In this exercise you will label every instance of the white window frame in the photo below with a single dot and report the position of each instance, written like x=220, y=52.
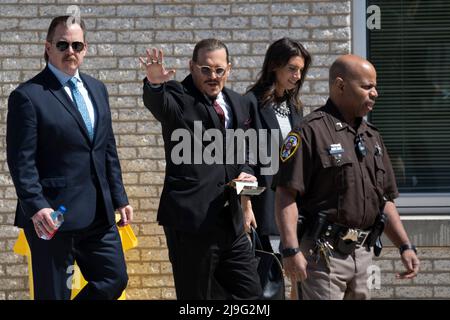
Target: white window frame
x=407, y=203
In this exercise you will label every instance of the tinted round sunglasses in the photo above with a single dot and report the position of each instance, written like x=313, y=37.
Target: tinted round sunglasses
x=208, y=71
x=77, y=46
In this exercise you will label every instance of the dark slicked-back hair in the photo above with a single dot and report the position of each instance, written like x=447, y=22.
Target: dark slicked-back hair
x=277, y=56
x=209, y=45
x=66, y=21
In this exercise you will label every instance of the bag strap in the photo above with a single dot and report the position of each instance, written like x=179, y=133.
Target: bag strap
x=256, y=242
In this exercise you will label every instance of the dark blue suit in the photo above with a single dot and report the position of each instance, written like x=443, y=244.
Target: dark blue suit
x=53, y=162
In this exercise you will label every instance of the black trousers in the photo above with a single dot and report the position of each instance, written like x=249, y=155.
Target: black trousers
x=214, y=265
x=98, y=253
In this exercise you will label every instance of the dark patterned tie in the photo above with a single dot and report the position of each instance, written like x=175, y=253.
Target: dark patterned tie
x=220, y=112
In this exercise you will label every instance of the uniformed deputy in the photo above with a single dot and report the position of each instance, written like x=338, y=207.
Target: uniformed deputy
x=336, y=172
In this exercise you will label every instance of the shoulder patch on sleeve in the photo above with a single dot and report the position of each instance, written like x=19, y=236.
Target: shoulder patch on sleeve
x=290, y=146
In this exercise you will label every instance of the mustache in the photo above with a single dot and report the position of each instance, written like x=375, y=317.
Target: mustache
x=70, y=58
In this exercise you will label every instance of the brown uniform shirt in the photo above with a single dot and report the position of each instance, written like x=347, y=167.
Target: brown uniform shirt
x=321, y=162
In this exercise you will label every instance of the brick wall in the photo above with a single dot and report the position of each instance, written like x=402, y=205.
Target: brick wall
x=118, y=32
x=433, y=281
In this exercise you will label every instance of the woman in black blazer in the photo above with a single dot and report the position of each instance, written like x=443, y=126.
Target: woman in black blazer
x=275, y=104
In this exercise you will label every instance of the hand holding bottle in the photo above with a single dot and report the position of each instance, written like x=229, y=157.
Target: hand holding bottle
x=47, y=221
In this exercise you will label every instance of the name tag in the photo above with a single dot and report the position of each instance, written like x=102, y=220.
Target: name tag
x=336, y=149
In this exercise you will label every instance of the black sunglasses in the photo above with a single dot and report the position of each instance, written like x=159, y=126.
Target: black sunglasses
x=360, y=146
x=76, y=46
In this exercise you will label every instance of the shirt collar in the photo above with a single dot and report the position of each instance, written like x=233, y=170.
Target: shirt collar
x=220, y=98
x=339, y=122
x=62, y=76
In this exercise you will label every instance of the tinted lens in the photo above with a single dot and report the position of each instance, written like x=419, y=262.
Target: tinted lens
x=206, y=71
x=220, y=72
x=62, y=45
x=76, y=46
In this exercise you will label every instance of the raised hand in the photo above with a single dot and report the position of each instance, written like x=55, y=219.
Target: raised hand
x=154, y=64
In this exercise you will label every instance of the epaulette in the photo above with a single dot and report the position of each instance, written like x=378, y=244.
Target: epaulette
x=313, y=116
x=372, y=126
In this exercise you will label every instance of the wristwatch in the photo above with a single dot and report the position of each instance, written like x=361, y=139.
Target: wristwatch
x=289, y=252
x=407, y=246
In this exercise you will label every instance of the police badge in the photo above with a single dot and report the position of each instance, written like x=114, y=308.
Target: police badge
x=290, y=146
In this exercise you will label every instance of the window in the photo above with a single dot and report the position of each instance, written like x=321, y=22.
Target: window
x=411, y=52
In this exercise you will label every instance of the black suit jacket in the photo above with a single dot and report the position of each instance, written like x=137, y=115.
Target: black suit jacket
x=194, y=194
x=50, y=157
x=264, y=204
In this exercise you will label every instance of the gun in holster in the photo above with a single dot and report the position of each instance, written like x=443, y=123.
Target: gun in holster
x=374, y=238
x=319, y=224
x=301, y=226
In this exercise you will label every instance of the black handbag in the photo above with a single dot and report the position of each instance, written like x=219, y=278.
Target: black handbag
x=270, y=271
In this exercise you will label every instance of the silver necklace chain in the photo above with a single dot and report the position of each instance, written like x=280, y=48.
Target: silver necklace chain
x=281, y=109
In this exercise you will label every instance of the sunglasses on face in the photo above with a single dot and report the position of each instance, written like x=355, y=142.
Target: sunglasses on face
x=208, y=71
x=76, y=46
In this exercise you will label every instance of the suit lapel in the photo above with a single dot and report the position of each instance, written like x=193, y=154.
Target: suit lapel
x=213, y=115
x=269, y=117
x=235, y=108
x=58, y=91
x=201, y=101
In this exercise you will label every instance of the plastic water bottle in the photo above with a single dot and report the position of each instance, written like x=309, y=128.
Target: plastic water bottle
x=58, y=219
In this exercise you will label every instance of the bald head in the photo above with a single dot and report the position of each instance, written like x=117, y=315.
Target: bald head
x=348, y=67
x=353, y=82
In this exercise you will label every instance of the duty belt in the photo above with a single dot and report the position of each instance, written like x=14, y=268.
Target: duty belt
x=329, y=237
x=333, y=231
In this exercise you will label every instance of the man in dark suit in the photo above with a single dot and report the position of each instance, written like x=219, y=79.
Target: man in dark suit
x=61, y=151
x=201, y=215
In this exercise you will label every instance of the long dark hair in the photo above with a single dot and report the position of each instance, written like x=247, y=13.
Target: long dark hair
x=277, y=56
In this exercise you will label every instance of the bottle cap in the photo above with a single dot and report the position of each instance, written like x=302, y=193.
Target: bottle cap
x=62, y=209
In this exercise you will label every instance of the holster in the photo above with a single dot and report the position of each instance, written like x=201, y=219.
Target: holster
x=374, y=238
x=318, y=226
x=345, y=246
x=301, y=226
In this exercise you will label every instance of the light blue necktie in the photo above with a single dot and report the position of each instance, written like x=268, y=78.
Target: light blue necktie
x=81, y=105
